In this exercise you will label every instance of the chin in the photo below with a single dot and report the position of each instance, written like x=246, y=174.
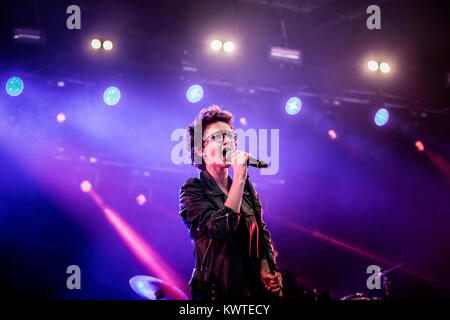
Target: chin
x=224, y=165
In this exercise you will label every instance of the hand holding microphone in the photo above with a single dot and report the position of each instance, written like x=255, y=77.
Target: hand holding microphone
x=239, y=160
x=250, y=161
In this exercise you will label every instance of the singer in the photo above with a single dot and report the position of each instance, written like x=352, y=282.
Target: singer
x=234, y=257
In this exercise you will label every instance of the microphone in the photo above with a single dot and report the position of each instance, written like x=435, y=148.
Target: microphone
x=250, y=162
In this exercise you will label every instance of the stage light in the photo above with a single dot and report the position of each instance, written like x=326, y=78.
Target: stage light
x=332, y=134
x=107, y=45
x=372, y=65
x=61, y=117
x=381, y=117
x=194, y=93
x=243, y=121
x=293, y=105
x=30, y=36
x=228, y=46
x=111, y=96
x=419, y=145
x=96, y=44
x=216, y=45
x=384, y=67
x=14, y=86
x=140, y=199
x=86, y=186
x=285, y=55
x=60, y=84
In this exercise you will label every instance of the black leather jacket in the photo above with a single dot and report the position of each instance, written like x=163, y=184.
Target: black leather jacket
x=211, y=224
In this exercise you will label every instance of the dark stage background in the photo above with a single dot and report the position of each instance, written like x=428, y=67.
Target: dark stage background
x=333, y=208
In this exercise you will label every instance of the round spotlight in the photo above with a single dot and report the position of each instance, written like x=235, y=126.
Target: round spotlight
x=372, y=65
x=216, y=45
x=61, y=117
x=228, y=46
x=111, y=96
x=293, y=105
x=419, y=145
x=332, y=134
x=140, y=199
x=14, y=86
x=96, y=44
x=243, y=121
x=194, y=93
x=86, y=186
x=107, y=45
x=384, y=67
x=381, y=117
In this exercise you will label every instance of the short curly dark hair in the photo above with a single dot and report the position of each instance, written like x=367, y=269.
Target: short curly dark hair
x=205, y=117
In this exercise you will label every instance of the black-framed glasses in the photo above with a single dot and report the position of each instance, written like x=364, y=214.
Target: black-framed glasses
x=219, y=136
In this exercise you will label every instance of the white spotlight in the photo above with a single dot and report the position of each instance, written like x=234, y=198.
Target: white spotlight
x=107, y=45
x=372, y=65
x=228, y=46
x=216, y=45
x=96, y=44
x=384, y=67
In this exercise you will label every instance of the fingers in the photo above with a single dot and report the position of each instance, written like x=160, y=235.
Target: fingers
x=280, y=279
x=241, y=157
x=273, y=289
x=275, y=283
x=274, y=286
x=272, y=277
x=268, y=276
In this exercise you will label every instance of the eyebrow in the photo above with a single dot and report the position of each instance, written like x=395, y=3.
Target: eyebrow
x=222, y=131
x=218, y=131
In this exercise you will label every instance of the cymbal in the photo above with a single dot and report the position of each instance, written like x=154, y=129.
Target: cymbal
x=152, y=288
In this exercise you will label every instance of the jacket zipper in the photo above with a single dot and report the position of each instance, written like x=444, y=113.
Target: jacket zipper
x=204, y=256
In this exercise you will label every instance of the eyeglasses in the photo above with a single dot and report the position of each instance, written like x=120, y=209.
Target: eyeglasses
x=219, y=136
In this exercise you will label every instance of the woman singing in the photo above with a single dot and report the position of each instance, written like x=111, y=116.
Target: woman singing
x=234, y=257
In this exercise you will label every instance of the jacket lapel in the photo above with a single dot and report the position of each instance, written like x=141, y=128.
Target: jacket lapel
x=213, y=192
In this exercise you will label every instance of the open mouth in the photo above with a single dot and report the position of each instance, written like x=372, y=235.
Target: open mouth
x=227, y=152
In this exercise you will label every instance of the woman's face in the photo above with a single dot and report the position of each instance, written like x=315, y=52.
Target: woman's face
x=215, y=144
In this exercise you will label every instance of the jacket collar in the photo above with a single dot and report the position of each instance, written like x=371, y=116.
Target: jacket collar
x=211, y=186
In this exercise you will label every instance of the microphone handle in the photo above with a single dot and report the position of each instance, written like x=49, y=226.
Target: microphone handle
x=256, y=163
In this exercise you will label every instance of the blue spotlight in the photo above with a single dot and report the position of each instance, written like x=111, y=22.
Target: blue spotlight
x=111, y=96
x=14, y=86
x=293, y=105
x=381, y=117
x=194, y=93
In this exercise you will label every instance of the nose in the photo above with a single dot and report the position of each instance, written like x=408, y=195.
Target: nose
x=228, y=144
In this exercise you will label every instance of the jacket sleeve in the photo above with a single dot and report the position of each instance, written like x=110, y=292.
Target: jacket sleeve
x=199, y=213
x=268, y=251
